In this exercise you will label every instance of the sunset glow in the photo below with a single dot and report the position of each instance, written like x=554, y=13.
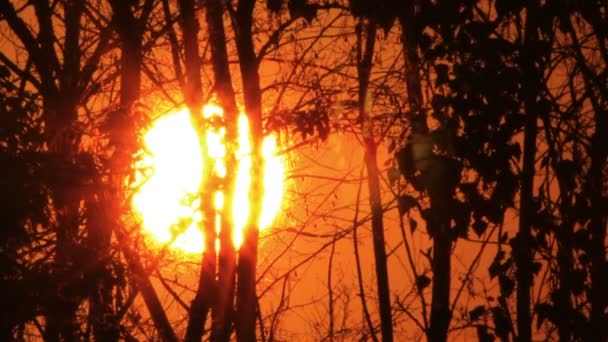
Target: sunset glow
x=166, y=197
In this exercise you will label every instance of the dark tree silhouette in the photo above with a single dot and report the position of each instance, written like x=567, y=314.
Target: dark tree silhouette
x=495, y=113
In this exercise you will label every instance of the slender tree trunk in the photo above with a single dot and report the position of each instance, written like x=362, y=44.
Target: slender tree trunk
x=246, y=298
x=598, y=227
x=373, y=181
x=523, y=253
x=442, y=244
x=365, y=52
x=104, y=320
x=409, y=34
x=366, y=315
x=522, y=249
x=565, y=262
x=206, y=291
x=204, y=297
x=130, y=30
x=63, y=143
x=224, y=310
x=565, y=257
x=441, y=266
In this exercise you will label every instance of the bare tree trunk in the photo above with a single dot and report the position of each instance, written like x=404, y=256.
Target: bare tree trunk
x=63, y=142
x=522, y=249
x=223, y=310
x=330, y=292
x=246, y=301
x=103, y=317
x=442, y=244
x=130, y=31
x=366, y=314
x=365, y=52
x=409, y=34
x=565, y=261
x=565, y=257
x=598, y=225
x=441, y=266
x=206, y=291
x=523, y=253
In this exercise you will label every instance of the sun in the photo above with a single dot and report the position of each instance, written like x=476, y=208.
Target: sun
x=171, y=172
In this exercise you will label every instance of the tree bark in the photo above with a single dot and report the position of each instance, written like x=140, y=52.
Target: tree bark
x=62, y=140
x=565, y=261
x=223, y=310
x=365, y=52
x=130, y=30
x=598, y=225
x=565, y=257
x=105, y=323
x=246, y=301
x=522, y=249
x=409, y=34
x=441, y=266
x=441, y=262
x=206, y=291
x=122, y=135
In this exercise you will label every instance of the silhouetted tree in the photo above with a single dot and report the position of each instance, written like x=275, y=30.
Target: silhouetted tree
x=64, y=68
x=506, y=99
x=366, y=39
x=23, y=206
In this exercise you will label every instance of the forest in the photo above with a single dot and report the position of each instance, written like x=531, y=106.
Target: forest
x=303, y=170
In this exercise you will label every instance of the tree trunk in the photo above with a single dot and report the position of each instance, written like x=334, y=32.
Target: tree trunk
x=223, y=310
x=565, y=256
x=63, y=143
x=441, y=266
x=442, y=244
x=409, y=34
x=103, y=317
x=206, y=291
x=246, y=301
x=130, y=30
x=365, y=52
x=598, y=225
x=375, y=200
x=566, y=263
x=522, y=249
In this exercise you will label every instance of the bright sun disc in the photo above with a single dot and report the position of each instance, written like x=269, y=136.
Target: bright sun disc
x=166, y=197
